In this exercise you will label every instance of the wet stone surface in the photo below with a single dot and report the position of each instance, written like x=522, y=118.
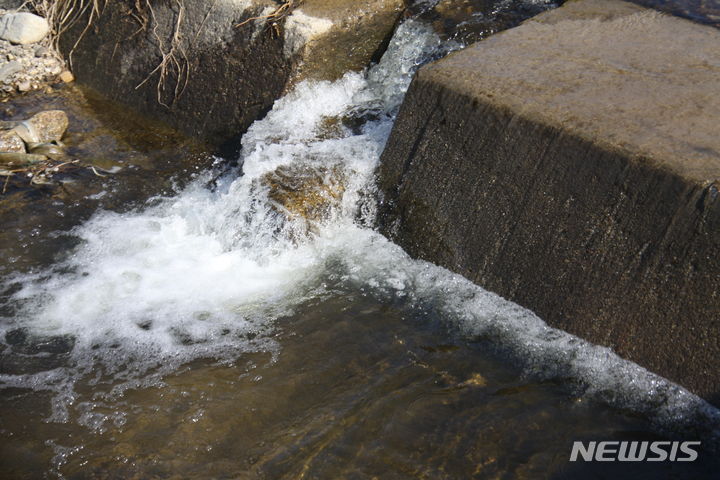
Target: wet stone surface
x=307, y=193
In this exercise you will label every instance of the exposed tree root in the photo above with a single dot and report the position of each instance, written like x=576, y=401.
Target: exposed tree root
x=63, y=14
x=174, y=63
x=282, y=11
x=174, y=60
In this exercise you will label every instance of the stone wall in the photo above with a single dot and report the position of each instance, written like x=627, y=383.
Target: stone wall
x=572, y=165
x=207, y=68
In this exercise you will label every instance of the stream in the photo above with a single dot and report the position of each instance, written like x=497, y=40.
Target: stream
x=244, y=320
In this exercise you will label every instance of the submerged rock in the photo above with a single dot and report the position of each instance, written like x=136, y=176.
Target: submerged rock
x=50, y=150
x=44, y=127
x=30, y=354
x=35, y=135
x=468, y=21
x=23, y=341
x=10, y=141
x=475, y=380
x=303, y=192
x=20, y=158
x=49, y=126
x=31, y=153
x=23, y=28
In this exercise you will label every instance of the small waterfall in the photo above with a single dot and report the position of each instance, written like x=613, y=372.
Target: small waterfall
x=207, y=272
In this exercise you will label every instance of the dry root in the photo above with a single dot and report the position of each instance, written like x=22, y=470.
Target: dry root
x=282, y=11
x=63, y=14
x=173, y=58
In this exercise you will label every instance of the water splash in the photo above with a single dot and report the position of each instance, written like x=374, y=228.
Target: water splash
x=206, y=273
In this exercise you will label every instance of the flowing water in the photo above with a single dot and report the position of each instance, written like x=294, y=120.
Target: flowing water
x=250, y=328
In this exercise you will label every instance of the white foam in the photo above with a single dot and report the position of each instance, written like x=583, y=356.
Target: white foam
x=382, y=268
x=200, y=273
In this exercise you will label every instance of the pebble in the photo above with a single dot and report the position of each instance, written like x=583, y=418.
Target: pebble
x=11, y=142
x=49, y=125
x=9, y=69
x=66, y=76
x=20, y=65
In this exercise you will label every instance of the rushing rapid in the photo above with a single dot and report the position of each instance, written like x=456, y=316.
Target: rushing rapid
x=206, y=274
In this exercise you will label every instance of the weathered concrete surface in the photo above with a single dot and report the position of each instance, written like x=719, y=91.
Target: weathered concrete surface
x=221, y=73
x=572, y=164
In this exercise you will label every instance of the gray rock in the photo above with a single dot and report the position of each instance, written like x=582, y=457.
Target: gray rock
x=11, y=142
x=23, y=28
x=44, y=127
x=49, y=126
x=27, y=132
x=9, y=69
